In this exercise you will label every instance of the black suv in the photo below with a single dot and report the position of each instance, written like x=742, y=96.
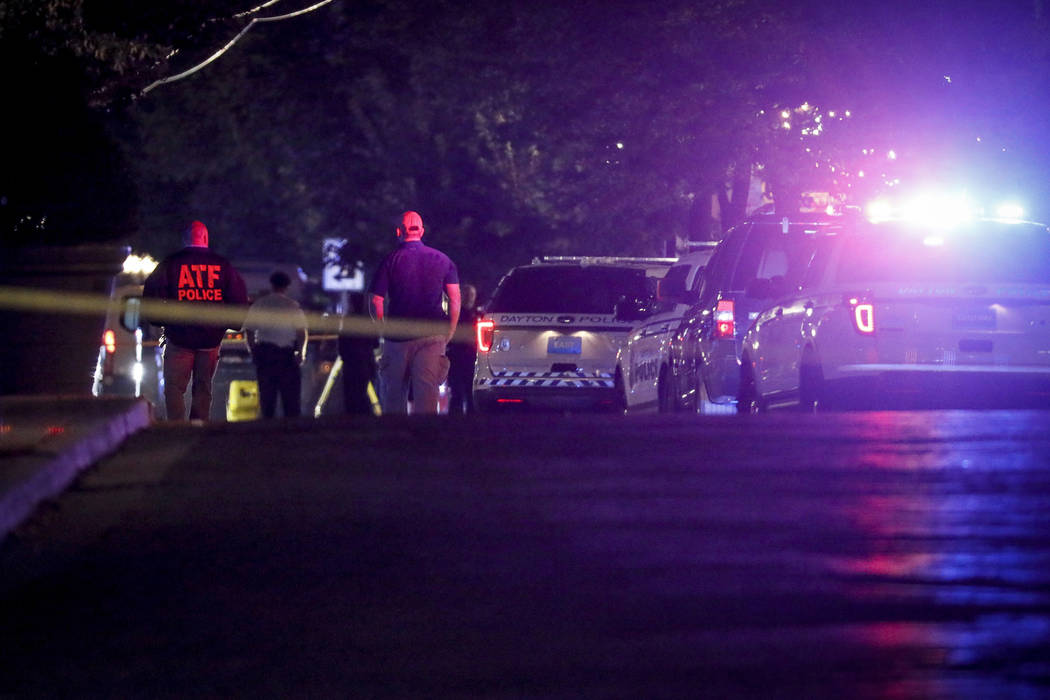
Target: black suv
x=757, y=262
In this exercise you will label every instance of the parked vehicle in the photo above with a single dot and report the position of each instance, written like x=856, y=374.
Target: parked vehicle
x=899, y=315
x=758, y=261
x=129, y=361
x=549, y=336
x=643, y=364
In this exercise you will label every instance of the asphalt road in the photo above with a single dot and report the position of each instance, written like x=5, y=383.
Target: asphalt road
x=846, y=555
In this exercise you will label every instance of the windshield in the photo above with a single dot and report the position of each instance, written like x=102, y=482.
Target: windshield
x=567, y=289
x=991, y=253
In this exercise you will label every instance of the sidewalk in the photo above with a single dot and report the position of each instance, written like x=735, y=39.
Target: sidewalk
x=45, y=441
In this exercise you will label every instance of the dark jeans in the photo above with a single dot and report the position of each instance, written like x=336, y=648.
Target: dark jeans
x=461, y=377
x=180, y=364
x=358, y=371
x=277, y=370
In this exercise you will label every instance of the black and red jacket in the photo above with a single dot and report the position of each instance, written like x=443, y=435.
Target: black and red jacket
x=198, y=276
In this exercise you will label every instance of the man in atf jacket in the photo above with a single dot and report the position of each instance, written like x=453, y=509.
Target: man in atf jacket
x=198, y=280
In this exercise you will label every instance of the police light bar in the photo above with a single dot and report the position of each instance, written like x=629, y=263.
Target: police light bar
x=1010, y=210
x=939, y=210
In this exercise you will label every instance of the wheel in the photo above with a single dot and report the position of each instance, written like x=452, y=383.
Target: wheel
x=664, y=396
x=704, y=405
x=621, y=393
x=748, y=402
x=810, y=384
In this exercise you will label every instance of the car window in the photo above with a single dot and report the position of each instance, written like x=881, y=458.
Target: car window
x=568, y=289
x=985, y=255
x=818, y=263
x=716, y=274
x=772, y=254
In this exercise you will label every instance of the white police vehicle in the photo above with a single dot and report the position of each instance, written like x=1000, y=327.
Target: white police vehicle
x=643, y=363
x=129, y=361
x=549, y=336
x=904, y=315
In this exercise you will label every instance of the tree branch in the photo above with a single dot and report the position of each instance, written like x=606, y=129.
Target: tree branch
x=215, y=56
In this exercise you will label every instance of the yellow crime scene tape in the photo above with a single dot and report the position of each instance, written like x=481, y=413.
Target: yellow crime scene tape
x=158, y=312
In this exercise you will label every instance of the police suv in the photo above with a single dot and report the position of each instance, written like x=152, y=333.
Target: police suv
x=643, y=362
x=909, y=314
x=550, y=334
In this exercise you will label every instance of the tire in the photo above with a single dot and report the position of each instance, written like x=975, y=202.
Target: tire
x=748, y=402
x=621, y=393
x=810, y=384
x=703, y=405
x=665, y=399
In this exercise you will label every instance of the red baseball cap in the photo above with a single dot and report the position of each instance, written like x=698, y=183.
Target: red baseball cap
x=411, y=221
x=196, y=234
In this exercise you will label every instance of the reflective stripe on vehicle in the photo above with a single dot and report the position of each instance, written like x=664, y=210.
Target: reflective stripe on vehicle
x=577, y=380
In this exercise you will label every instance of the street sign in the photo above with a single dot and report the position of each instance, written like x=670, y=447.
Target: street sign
x=341, y=273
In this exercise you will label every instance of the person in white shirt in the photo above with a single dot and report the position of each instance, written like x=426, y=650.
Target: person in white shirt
x=275, y=329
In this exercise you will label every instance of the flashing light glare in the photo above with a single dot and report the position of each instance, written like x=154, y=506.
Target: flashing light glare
x=864, y=317
x=109, y=339
x=1009, y=210
x=785, y=114
x=938, y=211
x=830, y=209
x=933, y=241
x=139, y=264
x=724, y=321
x=485, y=330
x=892, y=155
x=879, y=210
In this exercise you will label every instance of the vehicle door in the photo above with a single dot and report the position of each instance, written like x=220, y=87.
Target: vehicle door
x=771, y=271
x=645, y=356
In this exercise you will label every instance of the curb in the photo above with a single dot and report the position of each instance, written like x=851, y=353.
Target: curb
x=43, y=474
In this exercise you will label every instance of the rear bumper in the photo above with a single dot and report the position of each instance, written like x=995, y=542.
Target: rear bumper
x=493, y=398
x=938, y=386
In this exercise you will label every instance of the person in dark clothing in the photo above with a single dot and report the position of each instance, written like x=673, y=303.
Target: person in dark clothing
x=358, y=354
x=276, y=333
x=192, y=279
x=409, y=286
x=462, y=354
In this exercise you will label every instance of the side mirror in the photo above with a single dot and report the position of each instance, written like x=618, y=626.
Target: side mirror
x=129, y=313
x=672, y=290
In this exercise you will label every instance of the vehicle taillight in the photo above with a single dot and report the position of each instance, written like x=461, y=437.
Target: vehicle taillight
x=485, y=330
x=863, y=315
x=724, y=323
x=109, y=339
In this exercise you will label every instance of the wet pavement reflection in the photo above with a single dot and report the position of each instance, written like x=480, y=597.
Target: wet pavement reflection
x=866, y=554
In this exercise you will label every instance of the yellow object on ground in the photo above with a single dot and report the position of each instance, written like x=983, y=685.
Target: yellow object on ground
x=243, y=401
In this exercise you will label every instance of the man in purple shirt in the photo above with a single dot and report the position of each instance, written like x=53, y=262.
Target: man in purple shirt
x=409, y=286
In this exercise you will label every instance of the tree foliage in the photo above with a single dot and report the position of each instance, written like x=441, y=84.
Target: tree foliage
x=517, y=128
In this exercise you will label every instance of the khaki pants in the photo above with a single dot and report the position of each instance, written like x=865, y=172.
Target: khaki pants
x=419, y=363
